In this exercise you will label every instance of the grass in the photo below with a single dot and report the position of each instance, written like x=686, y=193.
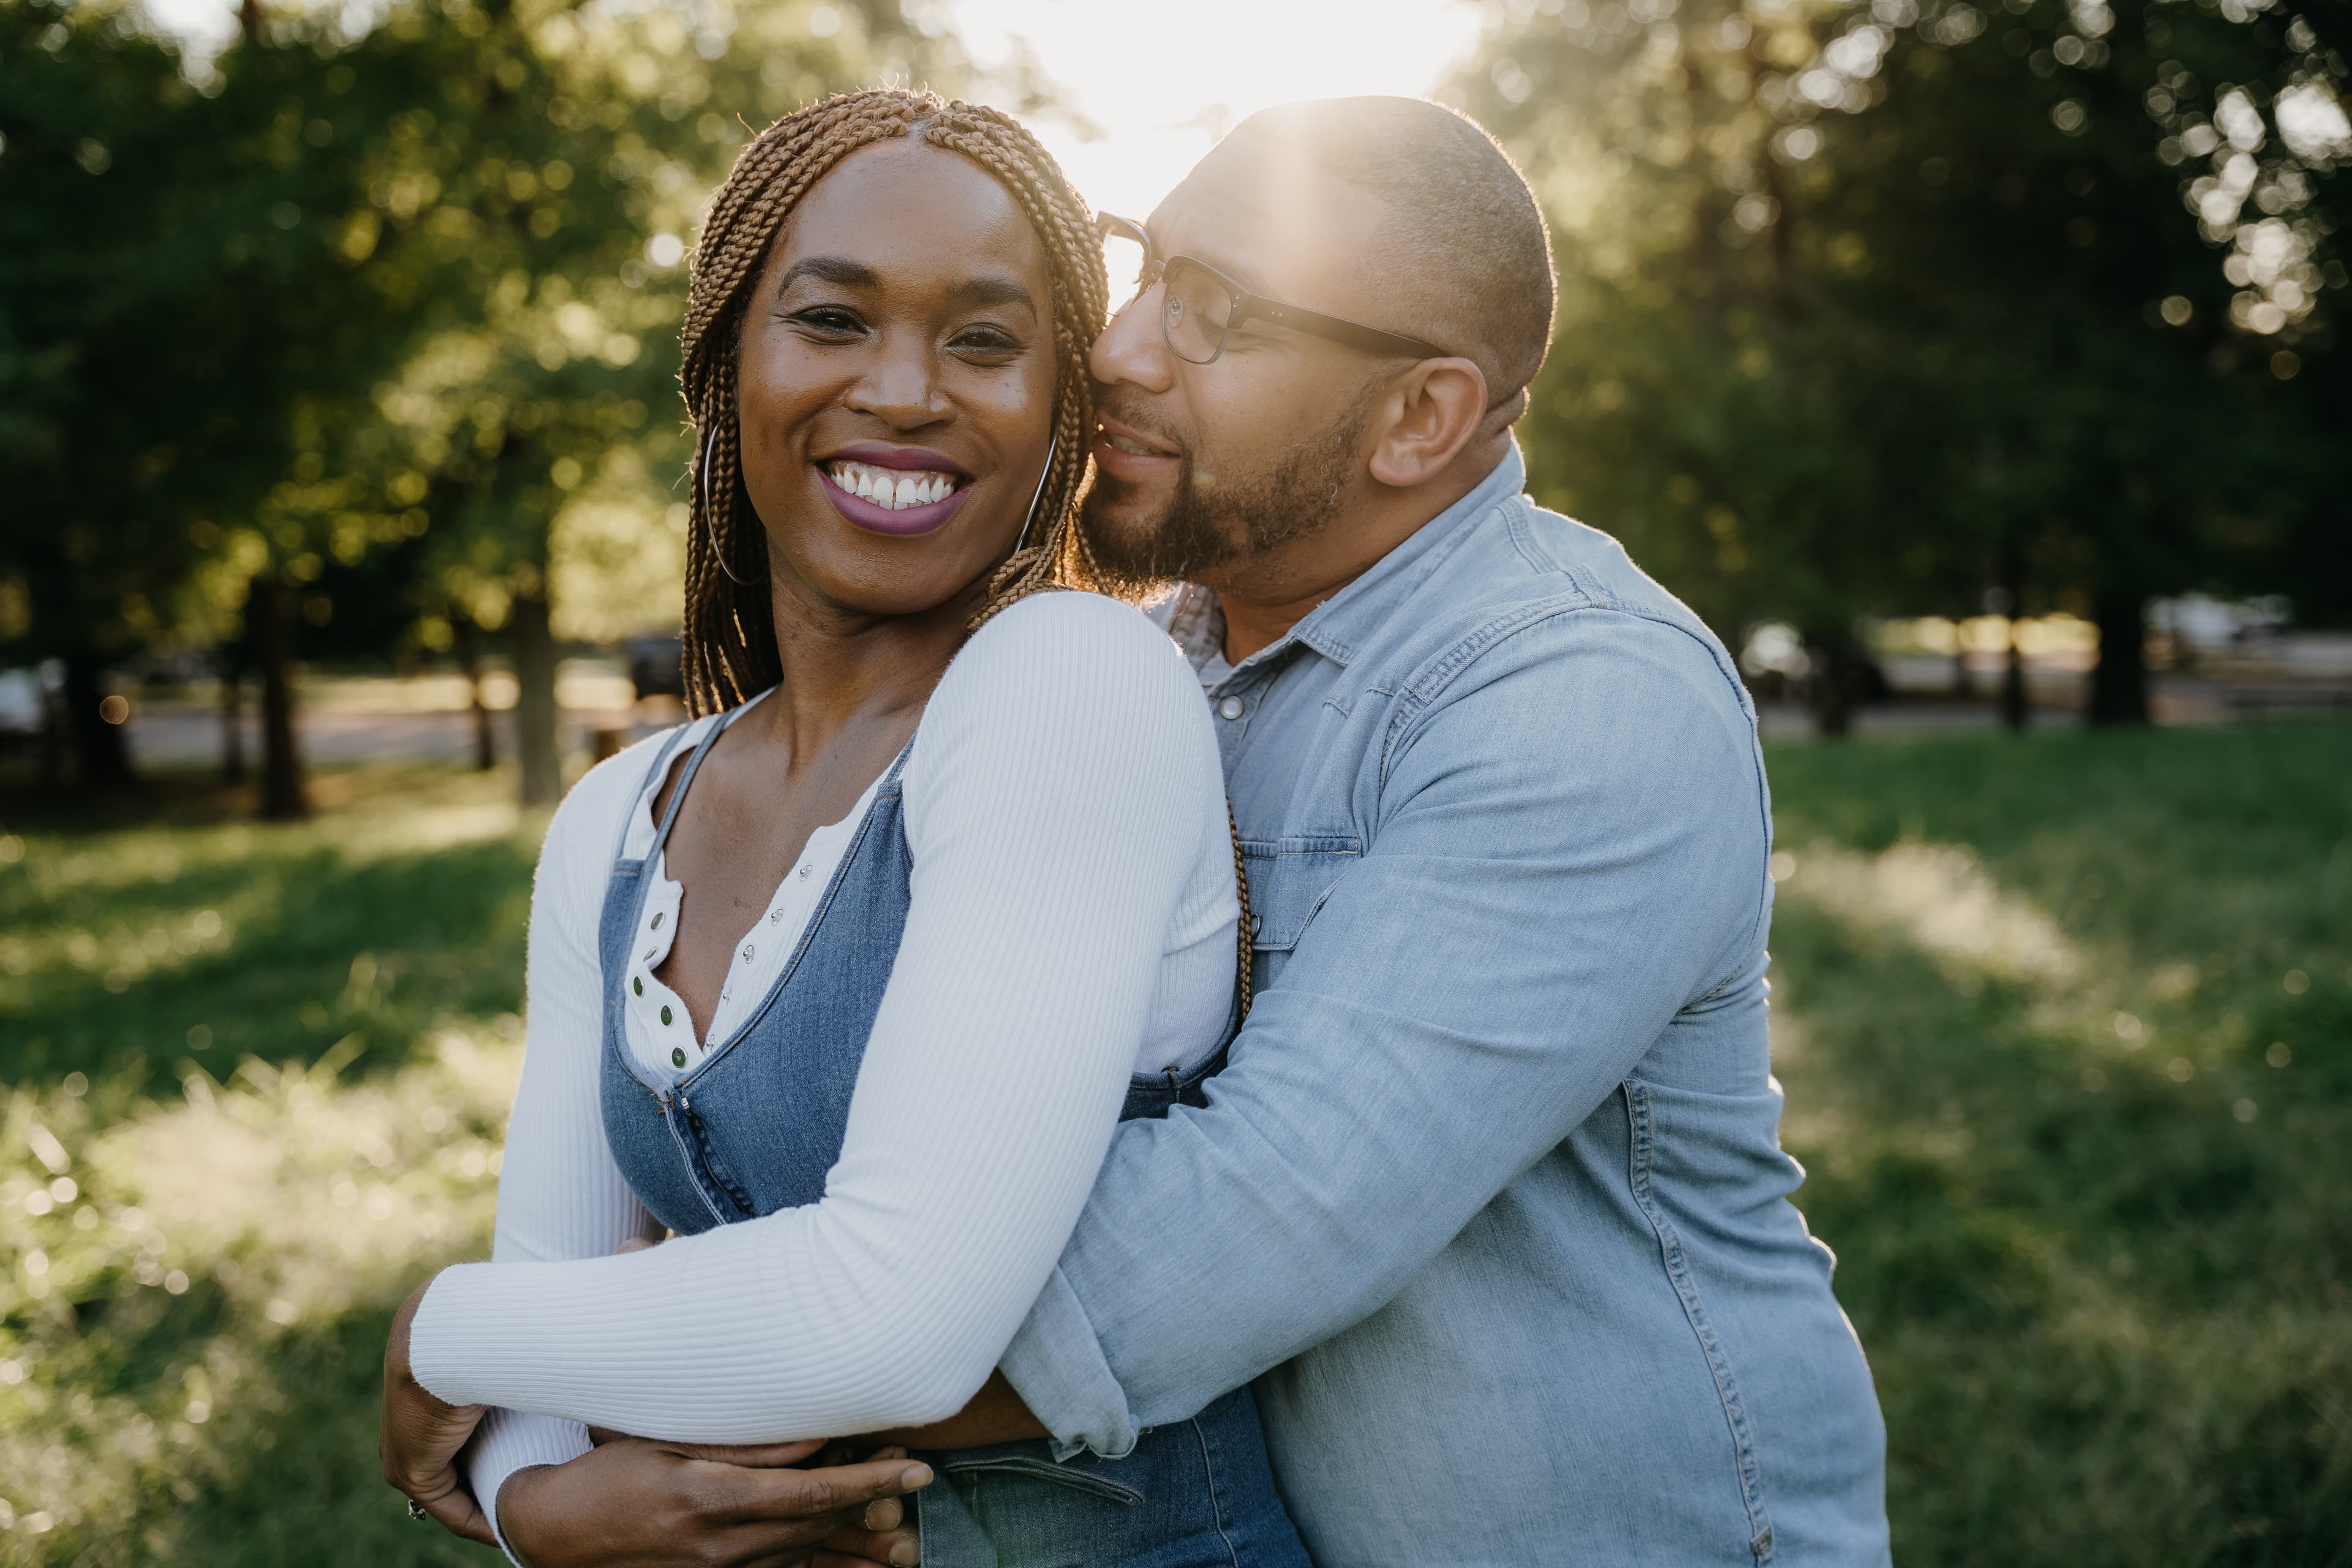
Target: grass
x=2066, y=1028
x=254, y=1083
x=2066, y=1023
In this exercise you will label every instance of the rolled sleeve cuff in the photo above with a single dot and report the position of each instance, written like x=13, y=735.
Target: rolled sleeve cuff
x=512, y=1440
x=1057, y=1366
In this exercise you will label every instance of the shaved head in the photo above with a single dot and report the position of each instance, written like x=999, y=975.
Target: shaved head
x=1459, y=255
x=1294, y=459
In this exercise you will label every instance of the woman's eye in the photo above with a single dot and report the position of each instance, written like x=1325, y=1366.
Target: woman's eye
x=986, y=341
x=830, y=320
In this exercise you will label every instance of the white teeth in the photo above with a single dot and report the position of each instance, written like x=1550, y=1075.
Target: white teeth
x=896, y=489
x=1121, y=444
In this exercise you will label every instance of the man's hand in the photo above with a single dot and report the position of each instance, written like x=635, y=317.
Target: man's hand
x=421, y=1437
x=636, y=1503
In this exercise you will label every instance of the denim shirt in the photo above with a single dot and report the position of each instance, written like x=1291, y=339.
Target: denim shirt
x=1489, y=1199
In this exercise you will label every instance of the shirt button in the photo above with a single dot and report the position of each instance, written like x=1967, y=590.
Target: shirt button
x=775, y=915
x=665, y=1015
x=677, y=1057
x=747, y=952
x=656, y=922
x=804, y=871
x=638, y=985
x=1230, y=707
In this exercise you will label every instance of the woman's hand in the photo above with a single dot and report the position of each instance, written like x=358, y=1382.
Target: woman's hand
x=421, y=1437
x=632, y=1502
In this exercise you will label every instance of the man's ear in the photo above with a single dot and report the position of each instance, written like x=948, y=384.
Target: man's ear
x=1431, y=413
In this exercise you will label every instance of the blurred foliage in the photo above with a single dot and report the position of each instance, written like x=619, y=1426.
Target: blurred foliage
x=1867, y=308
x=407, y=292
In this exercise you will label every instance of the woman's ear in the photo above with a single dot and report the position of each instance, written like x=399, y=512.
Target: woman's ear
x=1430, y=415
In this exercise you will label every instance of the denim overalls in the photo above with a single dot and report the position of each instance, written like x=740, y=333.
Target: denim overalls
x=757, y=1126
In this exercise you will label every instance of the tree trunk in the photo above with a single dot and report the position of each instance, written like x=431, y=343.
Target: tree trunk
x=53, y=730
x=534, y=673
x=2119, y=681
x=2016, y=709
x=1835, y=684
x=232, y=715
x=283, y=797
x=469, y=657
x=101, y=757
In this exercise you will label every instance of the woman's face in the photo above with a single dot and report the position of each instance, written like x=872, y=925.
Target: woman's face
x=895, y=381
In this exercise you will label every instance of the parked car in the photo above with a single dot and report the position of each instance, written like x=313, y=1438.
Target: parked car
x=656, y=667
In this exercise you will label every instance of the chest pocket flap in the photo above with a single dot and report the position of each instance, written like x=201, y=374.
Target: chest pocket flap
x=1290, y=879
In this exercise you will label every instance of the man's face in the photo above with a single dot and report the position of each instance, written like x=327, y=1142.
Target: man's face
x=1200, y=467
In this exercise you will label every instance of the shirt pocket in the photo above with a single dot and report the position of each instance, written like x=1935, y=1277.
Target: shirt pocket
x=1289, y=879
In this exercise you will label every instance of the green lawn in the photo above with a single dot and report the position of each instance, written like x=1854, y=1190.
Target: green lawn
x=2066, y=1023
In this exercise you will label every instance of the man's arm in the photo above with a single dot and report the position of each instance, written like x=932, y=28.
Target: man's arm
x=995, y=1415
x=1569, y=847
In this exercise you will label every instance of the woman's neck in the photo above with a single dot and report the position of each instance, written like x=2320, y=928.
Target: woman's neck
x=843, y=667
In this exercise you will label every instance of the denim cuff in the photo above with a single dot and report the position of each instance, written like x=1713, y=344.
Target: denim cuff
x=1057, y=1364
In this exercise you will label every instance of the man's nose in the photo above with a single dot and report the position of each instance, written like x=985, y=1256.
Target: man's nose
x=1132, y=349
x=901, y=387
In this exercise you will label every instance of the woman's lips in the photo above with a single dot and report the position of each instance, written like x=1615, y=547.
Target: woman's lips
x=904, y=522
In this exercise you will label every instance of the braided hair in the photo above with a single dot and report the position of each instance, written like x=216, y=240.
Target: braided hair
x=729, y=642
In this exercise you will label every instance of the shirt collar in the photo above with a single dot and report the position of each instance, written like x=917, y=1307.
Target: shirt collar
x=1339, y=623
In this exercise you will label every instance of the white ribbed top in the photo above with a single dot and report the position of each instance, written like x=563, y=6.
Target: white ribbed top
x=1072, y=920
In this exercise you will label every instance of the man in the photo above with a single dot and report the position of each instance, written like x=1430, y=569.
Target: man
x=1489, y=1200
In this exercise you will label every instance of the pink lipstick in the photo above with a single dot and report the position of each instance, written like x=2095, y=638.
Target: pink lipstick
x=896, y=521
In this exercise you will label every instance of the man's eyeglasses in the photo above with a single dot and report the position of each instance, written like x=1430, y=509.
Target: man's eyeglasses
x=1201, y=306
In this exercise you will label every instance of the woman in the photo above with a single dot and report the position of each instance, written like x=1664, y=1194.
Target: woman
x=848, y=981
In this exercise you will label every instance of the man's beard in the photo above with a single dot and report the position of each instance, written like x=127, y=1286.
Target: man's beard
x=1217, y=517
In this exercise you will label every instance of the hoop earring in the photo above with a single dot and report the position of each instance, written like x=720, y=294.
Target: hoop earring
x=710, y=529
x=1052, y=448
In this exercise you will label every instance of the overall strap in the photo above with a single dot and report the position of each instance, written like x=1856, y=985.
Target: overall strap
x=897, y=766
x=653, y=775
x=685, y=780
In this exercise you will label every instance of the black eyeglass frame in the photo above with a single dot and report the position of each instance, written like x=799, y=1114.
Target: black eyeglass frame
x=1247, y=306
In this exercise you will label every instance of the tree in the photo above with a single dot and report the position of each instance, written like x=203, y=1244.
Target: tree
x=1869, y=307
x=217, y=305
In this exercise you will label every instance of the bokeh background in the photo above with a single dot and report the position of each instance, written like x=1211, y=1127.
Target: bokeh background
x=1975, y=369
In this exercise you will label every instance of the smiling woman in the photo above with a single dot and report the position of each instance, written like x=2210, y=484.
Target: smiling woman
x=848, y=981
x=784, y=311
x=902, y=332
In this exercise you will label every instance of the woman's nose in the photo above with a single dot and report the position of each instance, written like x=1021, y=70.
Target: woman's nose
x=901, y=387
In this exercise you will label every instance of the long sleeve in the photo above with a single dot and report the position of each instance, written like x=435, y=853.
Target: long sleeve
x=1057, y=793
x=560, y=1194
x=1550, y=873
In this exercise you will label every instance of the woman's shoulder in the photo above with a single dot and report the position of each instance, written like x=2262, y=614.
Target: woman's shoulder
x=1074, y=682
x=1079, y=634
